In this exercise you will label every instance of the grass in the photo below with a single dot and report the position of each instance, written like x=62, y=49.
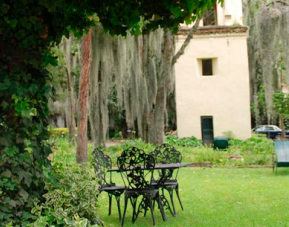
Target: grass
x=212, y=197
x=221, y=197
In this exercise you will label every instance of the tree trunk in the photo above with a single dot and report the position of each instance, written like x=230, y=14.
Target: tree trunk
x=71, y=109
x=83, y=99
x=282, y=127
x=157, y=126
x=70, y=101
x=101, y=137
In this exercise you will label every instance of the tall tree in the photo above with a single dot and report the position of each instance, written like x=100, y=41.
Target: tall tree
x=165, y=81
x=71, y=60
x=83, y=99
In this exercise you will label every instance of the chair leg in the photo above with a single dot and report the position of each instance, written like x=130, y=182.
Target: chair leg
x=124, y=211
x=161, y=208
x=171, y=192
x=146, y=209
x=118, y=206
x=177, y=191
x=152, y=211
x=134, y=211
x=109, y=206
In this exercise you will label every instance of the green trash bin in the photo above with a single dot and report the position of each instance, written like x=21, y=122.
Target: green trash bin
x=221, y=142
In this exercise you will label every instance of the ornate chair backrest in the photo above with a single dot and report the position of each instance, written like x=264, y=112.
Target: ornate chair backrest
x=136, y=168
x=101, y=163
x=167, y=154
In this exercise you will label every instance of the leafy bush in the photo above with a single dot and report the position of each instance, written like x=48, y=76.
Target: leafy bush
x=257, y=144
x=64, y=151
x=71, y=199
x=58, y=132
x=183, y=142
x=229, y=134
x=21, y=180
x=137, y=143
x=115, y=151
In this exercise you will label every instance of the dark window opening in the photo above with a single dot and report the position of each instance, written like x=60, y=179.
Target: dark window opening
x=210, y=16
x=207, y=65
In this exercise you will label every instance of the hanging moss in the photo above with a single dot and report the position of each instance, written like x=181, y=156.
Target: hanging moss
x=268, y=48
x=135, y=67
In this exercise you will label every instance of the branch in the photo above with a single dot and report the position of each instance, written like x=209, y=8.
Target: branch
x=186, y=43
x=277, y=1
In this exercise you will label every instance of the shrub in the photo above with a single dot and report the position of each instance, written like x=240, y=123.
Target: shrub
x=257, y=144
x=229, y=134
x=137, y=143
x=71, y=199
x=183, y=142
x=58, y=132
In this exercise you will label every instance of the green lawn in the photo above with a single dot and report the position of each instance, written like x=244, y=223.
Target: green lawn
x=221, y=197
x=212, y=197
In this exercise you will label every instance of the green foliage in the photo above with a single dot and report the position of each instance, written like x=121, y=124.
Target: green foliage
x=115, y=151
x=58, y=75
x=58, y=132
x=118, y=113
x=137, y=143
x=229, y=134
x=257, y=144
x=183, y=142
x=262, y=99
x=254, y=151
x=281, y=104
x=71, y=199
x=23, y=147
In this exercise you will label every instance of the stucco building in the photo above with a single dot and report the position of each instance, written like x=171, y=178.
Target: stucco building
x=212, y=77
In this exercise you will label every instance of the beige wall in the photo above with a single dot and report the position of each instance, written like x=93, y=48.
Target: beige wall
x=225, y=96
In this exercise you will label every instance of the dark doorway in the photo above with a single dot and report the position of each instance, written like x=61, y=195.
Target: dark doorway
x=207, y=130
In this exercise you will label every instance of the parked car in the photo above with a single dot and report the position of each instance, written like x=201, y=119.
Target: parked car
x=272, y=131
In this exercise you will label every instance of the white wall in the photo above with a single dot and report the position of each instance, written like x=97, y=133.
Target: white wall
x=225, y=96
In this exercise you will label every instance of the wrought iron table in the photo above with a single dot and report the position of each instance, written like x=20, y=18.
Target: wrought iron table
x=159, y=166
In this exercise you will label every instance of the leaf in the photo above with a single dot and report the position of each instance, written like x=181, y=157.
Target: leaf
x=27, y=177
x=114, y=21
x=12, y=203
x=7, y=173
x=176, y=11
x=4, y=104
x=13, y=23
x=25, y=113
x=24, y=194
x=190, y=5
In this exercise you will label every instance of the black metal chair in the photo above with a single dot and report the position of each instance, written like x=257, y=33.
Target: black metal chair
x=137, y=169
x=101, y=163
x=167, y=154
